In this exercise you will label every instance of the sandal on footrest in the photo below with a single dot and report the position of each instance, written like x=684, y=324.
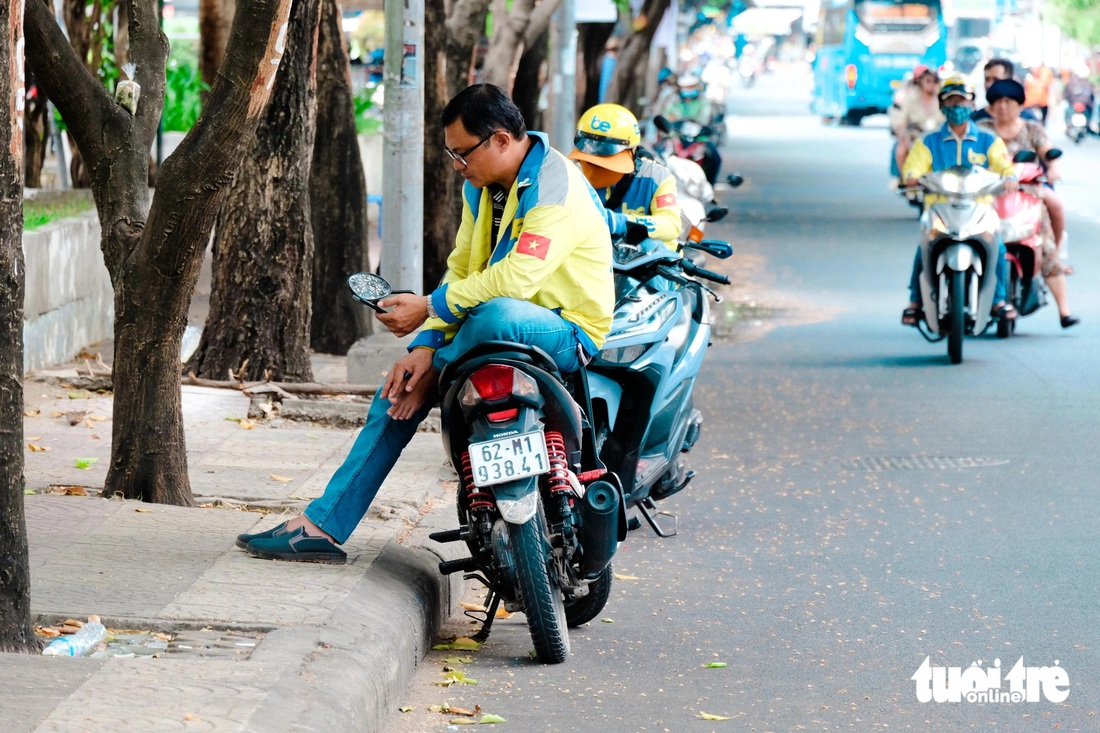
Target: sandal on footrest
x=911, y=316
x=1005, y=311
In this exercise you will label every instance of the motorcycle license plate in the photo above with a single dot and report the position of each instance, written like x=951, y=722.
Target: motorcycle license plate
x=508, y=459
x=1078, y=119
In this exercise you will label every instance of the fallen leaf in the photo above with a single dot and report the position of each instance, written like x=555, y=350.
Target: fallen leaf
x=32, y=413
x=246, y=424
x=438, y=708
x=97, y=418
x=163, y=637
x=144, y=511
x=277, y=477
x=504, y=613
x=190, y=716
x=85, y=463
x=458, y=660
x=404, y=710
x=29, y=492
x=72, y=491
x=464, y=711
x=75, y=416
x=464, y=643
x=463, y=721
x=37, y=448
x=78, y=395
x=708, y=716
x=459, y=677
x=607, y=620
x=714, y=665
x=625, y=577
x=48, y=631
x=311, y=436
x=33, y=438
x=490, y=718
x=472, y=606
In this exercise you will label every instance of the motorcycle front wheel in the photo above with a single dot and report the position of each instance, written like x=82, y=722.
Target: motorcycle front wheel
x=583, y=610
x=956, y=315
x=542, y=601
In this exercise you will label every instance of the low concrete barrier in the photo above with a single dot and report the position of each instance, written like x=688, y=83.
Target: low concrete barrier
x=69, y=302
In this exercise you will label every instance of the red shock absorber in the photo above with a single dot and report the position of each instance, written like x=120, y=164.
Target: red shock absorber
x=476, y=498
x=558, y=480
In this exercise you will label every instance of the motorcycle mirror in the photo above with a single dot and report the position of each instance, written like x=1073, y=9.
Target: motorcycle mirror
x=734, y=180
x=714, y=248
x=717, y=213
x=1053, y=154
x=662, y=124
x=368, y=288
x=1025, y=156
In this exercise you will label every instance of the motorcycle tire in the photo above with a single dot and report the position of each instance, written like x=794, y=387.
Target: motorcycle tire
x=583, y=610
x=956, y=316
x=542, y=602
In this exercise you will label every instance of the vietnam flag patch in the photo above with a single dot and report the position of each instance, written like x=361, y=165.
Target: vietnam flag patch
x=533, y=244
x=667, y=199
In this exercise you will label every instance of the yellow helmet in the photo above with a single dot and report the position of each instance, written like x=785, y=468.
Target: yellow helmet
x=956, y=84
x=605, y=136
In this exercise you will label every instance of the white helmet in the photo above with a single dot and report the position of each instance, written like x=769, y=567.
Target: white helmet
x=688, y=80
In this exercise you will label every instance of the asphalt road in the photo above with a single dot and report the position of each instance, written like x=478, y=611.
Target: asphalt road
x=860, y=503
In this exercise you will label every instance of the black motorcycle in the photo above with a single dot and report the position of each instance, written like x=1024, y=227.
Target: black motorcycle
x=541, y=515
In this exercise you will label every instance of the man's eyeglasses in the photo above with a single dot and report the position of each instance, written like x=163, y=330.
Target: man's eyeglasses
x=459, y=156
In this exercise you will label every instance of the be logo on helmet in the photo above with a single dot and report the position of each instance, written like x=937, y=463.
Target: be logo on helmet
x=599, y=125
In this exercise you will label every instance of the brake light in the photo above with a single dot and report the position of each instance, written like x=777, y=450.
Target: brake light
x=493, y=382
x=1078, y=106
x=850, y=76
x=503, y=415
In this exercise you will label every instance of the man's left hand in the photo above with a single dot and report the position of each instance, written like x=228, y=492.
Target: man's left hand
x=407, y=312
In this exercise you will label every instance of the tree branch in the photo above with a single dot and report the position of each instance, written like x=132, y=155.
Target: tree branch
x=80, y=97
x=149, y=53
x=539, y=21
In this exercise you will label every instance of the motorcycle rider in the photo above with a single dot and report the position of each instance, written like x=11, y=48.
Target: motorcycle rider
x=1079, y=89
x=531, y=264
x=958, y=142
x=692, y=104
x=995, y=70
x=916, y=112
x=638, y=194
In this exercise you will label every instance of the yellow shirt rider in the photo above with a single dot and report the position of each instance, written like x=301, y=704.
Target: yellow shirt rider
x=638, y=194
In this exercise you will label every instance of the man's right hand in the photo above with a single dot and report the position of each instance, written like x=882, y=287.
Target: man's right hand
x=407, y=313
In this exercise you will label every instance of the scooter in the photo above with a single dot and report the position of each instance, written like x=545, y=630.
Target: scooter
x=959, y=254
x=1023, y=233
x=642, y=381
x=686, y=139
x=1077, y=122
x=537, y=508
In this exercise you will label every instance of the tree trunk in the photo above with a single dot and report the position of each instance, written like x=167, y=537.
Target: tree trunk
x=631, y=72
x=450, y=38
x=215, y=22
x=593, y=40
x=528, y=84
x=337, y=197
x=259, y=318
x=153, y=253
x=36, y=137
x=16, y=634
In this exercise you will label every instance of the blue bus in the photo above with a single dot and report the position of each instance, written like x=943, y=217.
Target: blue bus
x=865, y=48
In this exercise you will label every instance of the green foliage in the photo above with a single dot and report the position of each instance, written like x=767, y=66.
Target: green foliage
x=38, y=214
x=183, y=86
x=366, y=116
x=1079, y=19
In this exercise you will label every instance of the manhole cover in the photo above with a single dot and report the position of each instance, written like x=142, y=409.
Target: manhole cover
x=919, y=463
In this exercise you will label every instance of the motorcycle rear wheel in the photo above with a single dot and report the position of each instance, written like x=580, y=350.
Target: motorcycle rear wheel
x=542, y=601
x=956, y=316
x=583, y=610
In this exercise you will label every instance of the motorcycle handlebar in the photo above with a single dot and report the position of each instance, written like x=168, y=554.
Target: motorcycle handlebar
x=692, y=269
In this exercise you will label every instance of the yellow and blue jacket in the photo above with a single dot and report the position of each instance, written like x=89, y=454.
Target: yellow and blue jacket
x=941, y=149
x=553, y=249
x=650, y=200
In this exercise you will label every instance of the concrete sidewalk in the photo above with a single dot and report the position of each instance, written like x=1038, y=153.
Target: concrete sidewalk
x=255, y=645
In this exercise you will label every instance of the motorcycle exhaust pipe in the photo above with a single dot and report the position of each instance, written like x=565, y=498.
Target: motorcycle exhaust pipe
x=599, y=527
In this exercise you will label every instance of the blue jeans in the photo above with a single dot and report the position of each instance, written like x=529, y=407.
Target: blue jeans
x=1000, y=292
x=352, y=488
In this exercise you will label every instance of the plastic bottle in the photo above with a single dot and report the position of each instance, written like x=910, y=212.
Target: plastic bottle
x=90, y=636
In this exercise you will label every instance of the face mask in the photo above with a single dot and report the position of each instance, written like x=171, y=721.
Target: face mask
x=956, y=115
x=599, y=177
x=688, y=94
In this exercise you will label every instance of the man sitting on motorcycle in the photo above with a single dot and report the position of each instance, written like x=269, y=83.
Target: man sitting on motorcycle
x=531, y=264
x=638, y=194
x=958, y=142
x=692, y=104
x=915, y=112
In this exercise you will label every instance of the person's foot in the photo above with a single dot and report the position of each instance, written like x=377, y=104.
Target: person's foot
x=297, y=546
x=1004, y=310
x=244, y=539
x=912, y=315
x=1070, y=321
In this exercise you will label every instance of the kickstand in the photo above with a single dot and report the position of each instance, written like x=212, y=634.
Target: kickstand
x=648, y=509
x=487, y=623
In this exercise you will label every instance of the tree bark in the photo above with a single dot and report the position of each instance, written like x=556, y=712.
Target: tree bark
x=153, y=253
x=527, y=87
x=16, y=634
x=259, y=318
x=628, y=82
x=215, y=22
x=337, y=196
x=593, y=40
x=451, y=34
x=510, y=20
x=35, y=133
